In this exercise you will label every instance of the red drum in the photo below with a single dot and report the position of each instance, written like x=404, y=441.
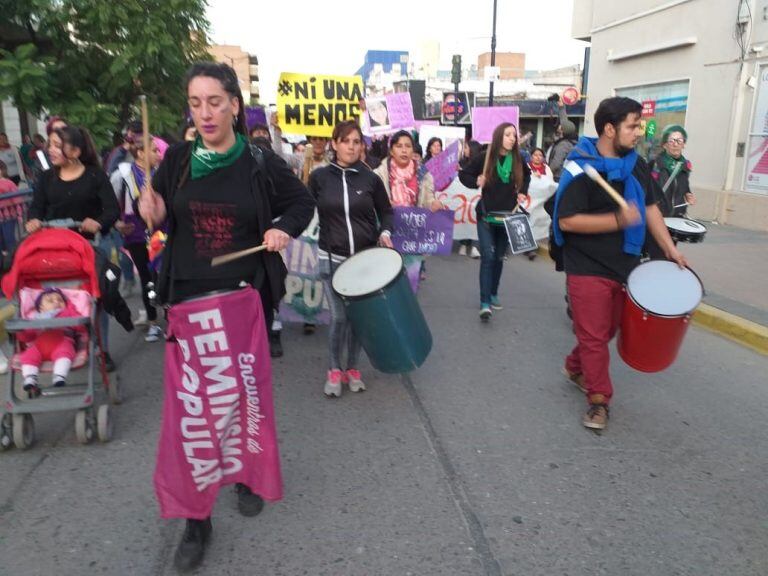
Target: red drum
x=660, y=300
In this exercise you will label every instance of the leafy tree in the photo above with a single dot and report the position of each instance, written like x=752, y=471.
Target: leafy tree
x=89, y=60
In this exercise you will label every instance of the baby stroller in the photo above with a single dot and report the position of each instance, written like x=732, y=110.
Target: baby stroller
x=56, y=257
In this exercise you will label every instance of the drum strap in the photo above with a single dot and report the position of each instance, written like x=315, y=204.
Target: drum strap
x=675, y=172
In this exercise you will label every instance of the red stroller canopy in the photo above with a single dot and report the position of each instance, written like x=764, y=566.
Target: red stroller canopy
x=51, y=255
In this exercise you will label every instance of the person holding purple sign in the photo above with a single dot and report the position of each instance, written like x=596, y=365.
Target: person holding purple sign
x=503, y=178
x=407, y=185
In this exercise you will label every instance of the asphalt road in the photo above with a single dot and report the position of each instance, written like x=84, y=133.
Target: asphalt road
x=476, y=465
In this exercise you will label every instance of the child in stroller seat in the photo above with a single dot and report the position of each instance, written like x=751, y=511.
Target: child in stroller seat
x=54, y=344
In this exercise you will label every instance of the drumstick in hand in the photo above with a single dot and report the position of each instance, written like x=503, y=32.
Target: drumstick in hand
x=224, y=258
x=595, y=175
x=147, y=151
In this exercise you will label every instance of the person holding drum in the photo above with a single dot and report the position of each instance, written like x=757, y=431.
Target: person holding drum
x=602, y=244
x=219, y=196
x=503, y=178
x=672, y=171
x=354, y=214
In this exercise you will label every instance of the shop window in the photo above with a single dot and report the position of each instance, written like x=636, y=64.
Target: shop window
x=663, y=104
x=756, y=177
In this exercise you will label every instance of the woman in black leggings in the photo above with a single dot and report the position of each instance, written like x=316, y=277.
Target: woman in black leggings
x=128, y=181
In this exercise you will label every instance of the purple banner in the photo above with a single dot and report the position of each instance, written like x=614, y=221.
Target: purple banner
x=254, y=116
x=445, y=166
x=421, y=231
x=485, y=120
x=389, y=113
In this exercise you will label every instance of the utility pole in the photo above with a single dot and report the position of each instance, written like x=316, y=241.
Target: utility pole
x=493, y=53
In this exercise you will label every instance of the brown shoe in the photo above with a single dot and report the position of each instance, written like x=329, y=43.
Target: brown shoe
x=576, y=378
x=596, y=417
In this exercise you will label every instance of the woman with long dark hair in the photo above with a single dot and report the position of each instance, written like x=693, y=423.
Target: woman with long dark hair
x=503, y=178
x=434, y=147
x=354, y=214
x=220, y=196
x=76, y=188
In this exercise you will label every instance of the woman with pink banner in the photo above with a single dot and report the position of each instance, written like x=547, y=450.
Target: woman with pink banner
x=408, y=185
x=220, y=196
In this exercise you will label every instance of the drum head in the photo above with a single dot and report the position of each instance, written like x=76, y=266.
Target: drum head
x=367, y=272
x=685, y=225
x=662, y=288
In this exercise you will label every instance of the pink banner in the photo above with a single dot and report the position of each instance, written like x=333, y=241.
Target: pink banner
x=218, y=419
x=445, y=166
x=485, y=120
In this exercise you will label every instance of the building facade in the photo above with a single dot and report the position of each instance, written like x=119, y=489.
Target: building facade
x=699, y=63
x=382, y=68
x=511, y=64
x=246, y=67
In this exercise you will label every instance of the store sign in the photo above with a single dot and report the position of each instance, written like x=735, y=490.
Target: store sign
x=649, y=109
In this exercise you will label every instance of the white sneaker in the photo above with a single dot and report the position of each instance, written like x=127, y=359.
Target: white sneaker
x=475, y=253
x=3, y=363
x=153, y=334
x=463, y=250
x=142, y=319
x=354, y=381
x=333, y=383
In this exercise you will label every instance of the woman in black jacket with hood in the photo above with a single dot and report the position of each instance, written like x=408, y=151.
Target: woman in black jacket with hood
x=503, y=181
x=354, y=213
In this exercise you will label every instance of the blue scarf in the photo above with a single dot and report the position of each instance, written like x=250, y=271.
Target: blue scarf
x=615, y=169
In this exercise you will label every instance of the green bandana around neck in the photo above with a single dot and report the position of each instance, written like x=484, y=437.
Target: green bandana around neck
x=206, y=161
x=670, y=162
x=504, y=168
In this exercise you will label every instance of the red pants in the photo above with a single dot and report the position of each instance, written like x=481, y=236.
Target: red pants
x=596, y=304
x=49, y=345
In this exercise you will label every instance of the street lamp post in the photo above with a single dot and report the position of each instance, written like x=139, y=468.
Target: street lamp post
x=493, y=54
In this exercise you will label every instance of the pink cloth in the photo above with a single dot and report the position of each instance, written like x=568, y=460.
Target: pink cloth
x=7, y=186
x=404, y=184
x=218, y=420
x=50, y=344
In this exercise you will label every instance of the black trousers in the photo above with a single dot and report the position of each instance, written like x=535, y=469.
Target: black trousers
x=140, y=256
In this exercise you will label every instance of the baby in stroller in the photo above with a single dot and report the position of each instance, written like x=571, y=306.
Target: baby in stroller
x=54, y=344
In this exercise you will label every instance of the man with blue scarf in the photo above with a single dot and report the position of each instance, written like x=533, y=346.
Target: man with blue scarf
x=601, y=243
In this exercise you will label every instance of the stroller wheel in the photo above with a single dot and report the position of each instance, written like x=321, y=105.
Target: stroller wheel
x=104, y=423
x=84, y=426
x=6, y=432
x=23, y=431
x=115, y=392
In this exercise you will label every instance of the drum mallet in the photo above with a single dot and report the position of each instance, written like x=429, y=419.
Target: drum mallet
x=595, y=175
x=224, y=258
x=681, y=205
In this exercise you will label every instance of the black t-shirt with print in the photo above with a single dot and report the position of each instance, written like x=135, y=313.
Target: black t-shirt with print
x=209, y=225
x=601, y=254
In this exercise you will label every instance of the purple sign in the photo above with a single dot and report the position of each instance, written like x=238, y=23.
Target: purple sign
x=254, y=116
x=444, y=166
x=400, y=110
x=421, y=231
x=485, y=120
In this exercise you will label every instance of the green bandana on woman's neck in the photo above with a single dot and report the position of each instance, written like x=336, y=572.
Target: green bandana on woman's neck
x=504, y=168
x=206, y=161
x=670, y=162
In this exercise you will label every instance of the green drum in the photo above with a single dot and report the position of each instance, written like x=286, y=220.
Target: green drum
x=383, y=310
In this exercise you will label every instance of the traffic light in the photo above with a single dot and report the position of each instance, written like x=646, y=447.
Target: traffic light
x=456, y=69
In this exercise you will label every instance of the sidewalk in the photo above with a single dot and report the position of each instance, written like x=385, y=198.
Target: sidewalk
x=733, y=266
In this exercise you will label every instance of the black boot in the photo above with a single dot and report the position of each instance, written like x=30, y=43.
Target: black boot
x=275, y=346
x=248, y=503
x=191, y=549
